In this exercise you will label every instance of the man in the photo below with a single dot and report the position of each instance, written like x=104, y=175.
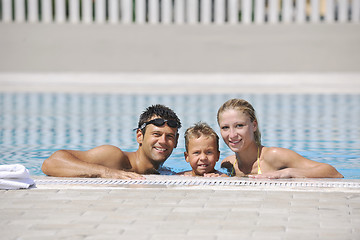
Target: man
x=157, y=135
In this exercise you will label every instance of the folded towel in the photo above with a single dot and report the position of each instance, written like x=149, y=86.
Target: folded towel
x=13, y=171
x=12, y=184
x=14, y=176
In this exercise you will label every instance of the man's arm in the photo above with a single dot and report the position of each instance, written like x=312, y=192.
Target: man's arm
x=294, y=165
x=104, y=161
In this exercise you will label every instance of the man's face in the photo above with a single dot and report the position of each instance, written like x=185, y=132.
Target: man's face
x=158, y=142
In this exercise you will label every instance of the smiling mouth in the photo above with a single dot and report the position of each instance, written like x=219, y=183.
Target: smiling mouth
x=234, y=142
x=160, y=149
x=203, y=165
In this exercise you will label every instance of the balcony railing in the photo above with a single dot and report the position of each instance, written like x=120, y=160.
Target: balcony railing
x=179, y=12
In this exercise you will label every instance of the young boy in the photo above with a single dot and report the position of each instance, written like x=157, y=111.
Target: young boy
x=202, y=151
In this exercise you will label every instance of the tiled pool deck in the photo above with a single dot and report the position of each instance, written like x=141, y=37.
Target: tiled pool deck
x=64, y=209
x=316, y=58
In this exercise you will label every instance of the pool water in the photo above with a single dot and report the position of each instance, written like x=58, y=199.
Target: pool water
x=324, y=128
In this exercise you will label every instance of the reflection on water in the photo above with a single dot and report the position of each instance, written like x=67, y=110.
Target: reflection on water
x=321, y=127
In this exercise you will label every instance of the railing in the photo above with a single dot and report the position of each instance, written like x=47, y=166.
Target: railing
x=180, y=11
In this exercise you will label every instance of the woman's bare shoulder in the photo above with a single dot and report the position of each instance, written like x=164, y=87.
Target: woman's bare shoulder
x=276, y=152
x=278, y=157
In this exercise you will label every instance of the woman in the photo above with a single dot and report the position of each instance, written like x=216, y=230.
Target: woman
x=240, y=131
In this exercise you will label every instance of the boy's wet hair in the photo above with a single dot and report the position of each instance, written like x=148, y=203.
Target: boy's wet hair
x=200, y=129
x=160, y=111
x=245, y=107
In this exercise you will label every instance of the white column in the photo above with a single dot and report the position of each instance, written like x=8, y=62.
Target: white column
x=343, y=11
x=273, y=11
x=74, y=11
x=154, y=11
x=87, y=16
x=192, y=11
x=113, y=11
x=60, y=11
x=205, y=16
x=315, y=11
x=166, y=11
x=233, y=11
x=246, y=10
x=300, y=11
x=46, y=11
x=100, y=11
x=287, y=11
x=19, y=11
x=126, y=11
x=6, y=11
x=140, y=11
x=259, y=11
x=33, y=11
x=219, y=12
x=330, y=10
x=179, y=11
x=355, y=7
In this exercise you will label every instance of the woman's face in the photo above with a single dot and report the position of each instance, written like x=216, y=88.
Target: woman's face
x=236, y=129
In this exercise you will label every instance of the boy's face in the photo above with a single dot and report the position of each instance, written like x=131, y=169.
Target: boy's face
x=202, y=154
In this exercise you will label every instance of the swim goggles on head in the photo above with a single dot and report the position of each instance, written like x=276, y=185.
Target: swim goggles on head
x=160, y=122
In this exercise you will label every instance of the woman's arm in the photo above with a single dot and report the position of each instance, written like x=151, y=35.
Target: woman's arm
x=293, y=165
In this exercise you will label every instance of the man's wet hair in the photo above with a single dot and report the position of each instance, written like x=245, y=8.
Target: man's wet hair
x=158, y=110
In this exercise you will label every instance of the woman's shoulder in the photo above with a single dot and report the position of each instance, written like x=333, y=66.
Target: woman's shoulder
x=275, y=151
x=277, y=156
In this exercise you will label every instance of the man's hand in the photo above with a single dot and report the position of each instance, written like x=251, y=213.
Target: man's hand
x=120, y=174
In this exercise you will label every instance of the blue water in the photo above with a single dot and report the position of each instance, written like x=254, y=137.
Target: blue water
x=324, y=128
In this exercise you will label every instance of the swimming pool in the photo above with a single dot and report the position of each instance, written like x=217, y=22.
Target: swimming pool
x=322, y=127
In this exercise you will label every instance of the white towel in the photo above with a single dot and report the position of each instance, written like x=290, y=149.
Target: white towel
x=14, y=176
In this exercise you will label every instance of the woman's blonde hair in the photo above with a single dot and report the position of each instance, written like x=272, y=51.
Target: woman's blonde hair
x=245, y=107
